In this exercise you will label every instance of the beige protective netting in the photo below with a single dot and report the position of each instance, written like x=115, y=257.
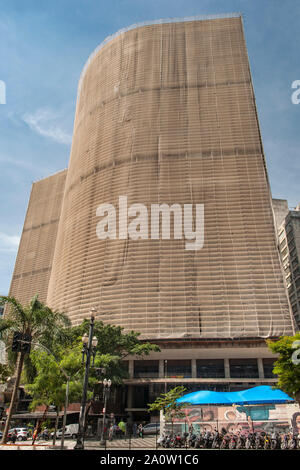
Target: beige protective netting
x=34, y=260
x=166, y=114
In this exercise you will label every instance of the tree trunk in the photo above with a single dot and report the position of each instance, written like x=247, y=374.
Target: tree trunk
x=13, y=401
x=38, y=427
x=56, y=426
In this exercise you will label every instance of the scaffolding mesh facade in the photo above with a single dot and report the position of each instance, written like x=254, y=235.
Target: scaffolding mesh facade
x=166, y=114
x=34, y=259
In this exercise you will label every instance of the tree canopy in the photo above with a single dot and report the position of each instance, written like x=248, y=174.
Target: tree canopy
x=287, y=365
x=113, y=347
x=47, y=373
x=37, y=321
x=112, y=339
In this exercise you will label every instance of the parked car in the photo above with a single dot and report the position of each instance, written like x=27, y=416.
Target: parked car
x=58, y=433
x=22, y=433
x=151, y=428
x=70, y=431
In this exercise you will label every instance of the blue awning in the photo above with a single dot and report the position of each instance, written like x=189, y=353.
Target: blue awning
x=252, y=396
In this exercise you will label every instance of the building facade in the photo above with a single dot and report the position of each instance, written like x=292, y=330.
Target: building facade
x=288, y=227
x=166, y=115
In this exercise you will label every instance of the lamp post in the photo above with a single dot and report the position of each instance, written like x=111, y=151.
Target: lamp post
x=89, y=349
x=165, y=373
x=162, y=418
x=106, y=391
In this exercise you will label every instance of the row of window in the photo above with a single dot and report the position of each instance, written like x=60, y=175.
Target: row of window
x=206, y=368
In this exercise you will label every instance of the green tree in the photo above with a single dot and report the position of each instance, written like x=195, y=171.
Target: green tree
x=113, y=346
x=49, y=385
x=113, y=341
x=167, y=402
x=36, y=320
x=287, y=366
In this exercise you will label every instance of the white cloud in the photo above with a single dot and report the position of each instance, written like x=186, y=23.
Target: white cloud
x=9, y=242
x=44, y=122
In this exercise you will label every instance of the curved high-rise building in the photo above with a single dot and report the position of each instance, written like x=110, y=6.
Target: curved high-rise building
x=166, y=119
x=166, y=115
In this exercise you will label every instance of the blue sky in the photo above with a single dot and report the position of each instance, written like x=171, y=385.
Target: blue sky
x=43, y=48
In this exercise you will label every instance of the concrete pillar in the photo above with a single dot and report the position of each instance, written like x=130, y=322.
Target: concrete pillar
x=227, y=368
x=131, y=369
x=194, y=368
x=161, y=370
x=260, y=364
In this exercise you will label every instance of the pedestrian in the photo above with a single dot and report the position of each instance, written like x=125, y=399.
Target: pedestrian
x=14, y=436
x=34, y=436
x=141, y=430
x=111, y=432
x=122, y=426
x=134, y=429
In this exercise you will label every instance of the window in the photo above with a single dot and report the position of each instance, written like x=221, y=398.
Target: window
x=140, y=396
x=288, y=228
x=268, y=368
x=290, y=236
x=295, y=308
x=243, y=368
x=291, y=290
x=179, y=369
x=284, y=252
x=282, y=244
x=210, y=368
x=296, y=272
x=281, y=235
x=146, y=369
x=291, y=244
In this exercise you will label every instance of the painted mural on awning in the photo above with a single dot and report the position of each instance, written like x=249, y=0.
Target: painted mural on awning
x=239, y=418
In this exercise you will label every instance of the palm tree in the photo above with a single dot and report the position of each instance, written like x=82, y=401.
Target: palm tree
x=38, y=321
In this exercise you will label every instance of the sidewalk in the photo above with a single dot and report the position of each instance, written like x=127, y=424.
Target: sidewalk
x=133, y=443
x=116, y=444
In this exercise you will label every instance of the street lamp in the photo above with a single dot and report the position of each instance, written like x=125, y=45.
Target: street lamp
x=89, y=349
x=106, y=391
